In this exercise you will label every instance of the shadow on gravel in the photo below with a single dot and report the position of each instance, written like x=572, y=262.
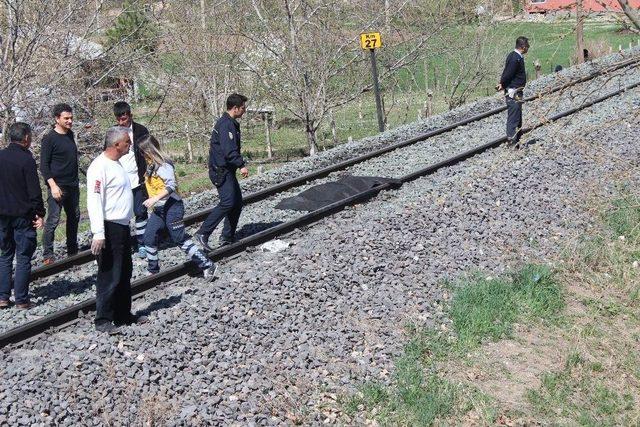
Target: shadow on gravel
x=256, y=227
x=61, y=288
x=162, y=304
x=532, y=141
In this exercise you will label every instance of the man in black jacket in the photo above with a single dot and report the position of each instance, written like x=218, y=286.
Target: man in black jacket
x=135, y=165
x=21, y=212
x=59, y=168
x=224, y=160
x=512, y=82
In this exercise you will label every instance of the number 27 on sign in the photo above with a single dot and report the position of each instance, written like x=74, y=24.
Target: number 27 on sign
x=370, y=40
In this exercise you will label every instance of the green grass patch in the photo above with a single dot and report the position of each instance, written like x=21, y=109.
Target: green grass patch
x=486, y=309
x=480, y=310
x=623, y=217
x=612, y=256
x=418, y=394
x=597, y=386
x=576, y=393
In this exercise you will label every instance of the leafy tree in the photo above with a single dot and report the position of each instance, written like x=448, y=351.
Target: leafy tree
x=133, y=29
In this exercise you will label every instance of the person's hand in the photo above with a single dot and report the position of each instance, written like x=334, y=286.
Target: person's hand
x=499, y=87
x=56, y=192
x=244, y=172
x=97, y=245
x=38, y=222
x=150, y=202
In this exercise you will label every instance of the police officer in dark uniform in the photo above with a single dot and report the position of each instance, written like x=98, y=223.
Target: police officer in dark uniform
x=512, y=82
x=224, y=160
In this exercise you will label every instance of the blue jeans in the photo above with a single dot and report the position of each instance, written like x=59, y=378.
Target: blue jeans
x=170, y=216
x=70, y=202
x=17, y=238
x=140, y=212
x=229, y=209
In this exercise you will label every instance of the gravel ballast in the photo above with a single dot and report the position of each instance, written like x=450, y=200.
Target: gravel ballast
x=279, y=336
x=65, y=289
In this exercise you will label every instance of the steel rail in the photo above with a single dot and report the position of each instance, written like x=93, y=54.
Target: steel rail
x=85, y=256
x=33, y=328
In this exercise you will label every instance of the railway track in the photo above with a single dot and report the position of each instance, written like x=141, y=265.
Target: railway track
x=64, y=317
x=86, y=257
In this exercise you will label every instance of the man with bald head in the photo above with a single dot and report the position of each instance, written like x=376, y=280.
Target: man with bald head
x=110, y=206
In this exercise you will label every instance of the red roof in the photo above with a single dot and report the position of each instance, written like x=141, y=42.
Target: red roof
x=588, y=5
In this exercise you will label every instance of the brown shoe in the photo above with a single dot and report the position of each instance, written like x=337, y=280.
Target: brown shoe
x=25, y=306
x=47, y=261
x=4, y=303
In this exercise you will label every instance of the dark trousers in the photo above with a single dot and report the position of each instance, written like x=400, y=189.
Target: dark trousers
x=170, y=216
x=113, y=285
x=229, y=209
x=514, y=120
x=140, y=212
x=17, y=238
x=70, y=202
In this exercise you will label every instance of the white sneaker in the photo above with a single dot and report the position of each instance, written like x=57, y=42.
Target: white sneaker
x=210, y=273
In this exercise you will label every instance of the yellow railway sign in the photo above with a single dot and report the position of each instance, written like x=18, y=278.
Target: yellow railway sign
x=370, y=41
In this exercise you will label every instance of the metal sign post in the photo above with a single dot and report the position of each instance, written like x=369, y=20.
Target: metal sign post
x=371, y=42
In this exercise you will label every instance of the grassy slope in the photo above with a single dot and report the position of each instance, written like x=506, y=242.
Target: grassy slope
x=535, y=348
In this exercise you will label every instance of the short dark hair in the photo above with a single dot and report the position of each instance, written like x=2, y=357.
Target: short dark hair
x=236, y=100
x=19, y=131
x=521, y=42
x=120, y=108
x=61, y=108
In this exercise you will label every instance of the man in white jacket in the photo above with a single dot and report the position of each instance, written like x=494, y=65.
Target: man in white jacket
x=110, y=206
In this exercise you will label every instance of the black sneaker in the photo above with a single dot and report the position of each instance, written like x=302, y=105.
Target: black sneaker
x=224, y=241
x=108, y=328
x=203, y=241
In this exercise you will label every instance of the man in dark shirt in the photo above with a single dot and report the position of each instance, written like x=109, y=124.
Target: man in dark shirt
x=59, y=168
x=21, y=212
x=512, y=82
x=135, y=165
x=224, y=160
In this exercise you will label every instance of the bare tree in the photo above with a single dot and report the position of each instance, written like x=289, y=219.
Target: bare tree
x=201, y=70
x=631, y=13
x=49, y=53
x=470, y=62
x=307, y=60
x=579, y=32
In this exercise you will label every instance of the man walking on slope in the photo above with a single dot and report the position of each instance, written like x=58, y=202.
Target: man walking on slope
x=224, y=160
x=512, y=82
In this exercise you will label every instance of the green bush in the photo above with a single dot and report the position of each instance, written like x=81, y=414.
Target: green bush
x=133, y=28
